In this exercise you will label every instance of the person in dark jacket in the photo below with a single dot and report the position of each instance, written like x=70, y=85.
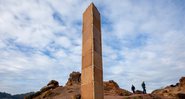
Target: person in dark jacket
x=144, y=87
x=133, y=88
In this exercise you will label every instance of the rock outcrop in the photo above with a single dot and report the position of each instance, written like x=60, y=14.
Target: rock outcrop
x=182, y=84
x=51, y=85
x=72, y=89
x=74, y=78
x=176, y=91
x=53, y=91
x=111, y=90
x=44, y=90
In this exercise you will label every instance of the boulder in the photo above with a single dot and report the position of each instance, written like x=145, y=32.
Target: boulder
x=74, y=78
x=50, y=86
x=53, y=83
x=112, y=88
x=182, y=83
x=109, y=85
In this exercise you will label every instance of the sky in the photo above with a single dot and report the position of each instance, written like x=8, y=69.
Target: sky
x=41, y=40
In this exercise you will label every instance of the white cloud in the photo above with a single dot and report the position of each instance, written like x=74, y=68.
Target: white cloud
x=159, y=58
x=64, y=42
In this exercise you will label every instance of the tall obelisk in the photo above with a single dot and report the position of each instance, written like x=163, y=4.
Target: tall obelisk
x=92, y=71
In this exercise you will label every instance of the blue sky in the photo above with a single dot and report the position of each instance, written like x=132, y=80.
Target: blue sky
x=40, y=40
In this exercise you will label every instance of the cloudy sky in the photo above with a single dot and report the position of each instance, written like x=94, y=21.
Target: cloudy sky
x=40, y=40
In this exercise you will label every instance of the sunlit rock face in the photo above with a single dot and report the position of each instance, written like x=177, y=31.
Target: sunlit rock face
x=173, y=91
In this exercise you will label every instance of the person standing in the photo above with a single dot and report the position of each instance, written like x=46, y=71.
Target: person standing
x=144, y=87
x=133, y=88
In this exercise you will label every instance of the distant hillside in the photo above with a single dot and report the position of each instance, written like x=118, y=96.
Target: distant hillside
x=4, y=95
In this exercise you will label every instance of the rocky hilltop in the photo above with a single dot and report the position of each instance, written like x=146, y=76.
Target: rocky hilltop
x=111, y=90
x=173, y=91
